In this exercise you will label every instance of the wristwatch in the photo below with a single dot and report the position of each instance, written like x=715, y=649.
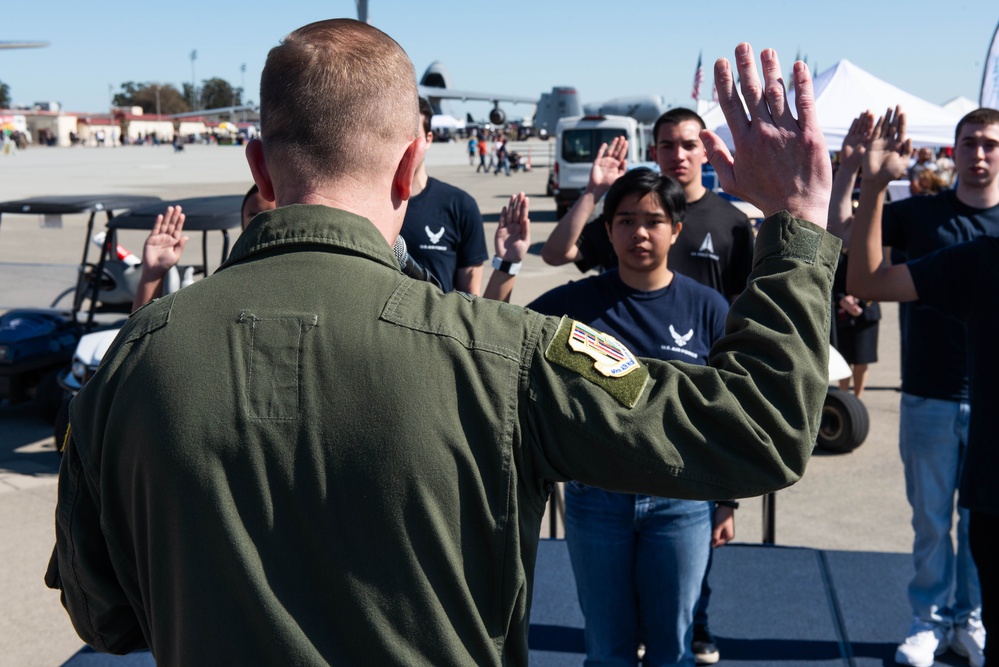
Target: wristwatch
x=513, y=268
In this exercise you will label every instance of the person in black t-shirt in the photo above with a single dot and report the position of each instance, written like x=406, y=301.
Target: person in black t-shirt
x=443, y=228
x=937, y=439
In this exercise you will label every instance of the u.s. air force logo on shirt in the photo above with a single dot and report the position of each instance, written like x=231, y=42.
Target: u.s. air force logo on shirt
x=611, y=357
x=599, y=358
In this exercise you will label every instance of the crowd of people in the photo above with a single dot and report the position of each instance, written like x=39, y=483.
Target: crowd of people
x=493, y=154
x=445, y=420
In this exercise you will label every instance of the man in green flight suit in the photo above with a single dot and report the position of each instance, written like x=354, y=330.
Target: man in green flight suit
x=309, y=458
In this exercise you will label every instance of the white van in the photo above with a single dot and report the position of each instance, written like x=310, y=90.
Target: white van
x=578, y=140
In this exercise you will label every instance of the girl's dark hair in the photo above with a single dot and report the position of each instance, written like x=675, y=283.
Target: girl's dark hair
x=643, y=182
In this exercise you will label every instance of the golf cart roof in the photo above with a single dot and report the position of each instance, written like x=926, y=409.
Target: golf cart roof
x=67, y=204
x=202, y=214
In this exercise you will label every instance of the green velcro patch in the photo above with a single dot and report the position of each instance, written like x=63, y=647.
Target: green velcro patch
x=627, y=388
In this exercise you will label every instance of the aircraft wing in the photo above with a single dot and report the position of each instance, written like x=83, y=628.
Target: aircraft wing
x=22, y=44
x=220, y=111
x=436, y=92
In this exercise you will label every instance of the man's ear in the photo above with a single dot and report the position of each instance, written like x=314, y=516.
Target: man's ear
x=412, y=158
x=258, y=168
x=677, y=228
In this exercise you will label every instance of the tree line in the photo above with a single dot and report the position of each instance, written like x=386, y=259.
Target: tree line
x=212, y=93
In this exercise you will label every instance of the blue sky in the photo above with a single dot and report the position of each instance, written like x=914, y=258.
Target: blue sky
x=516, y=47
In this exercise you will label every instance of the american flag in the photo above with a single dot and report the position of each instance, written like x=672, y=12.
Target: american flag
x=698, y=78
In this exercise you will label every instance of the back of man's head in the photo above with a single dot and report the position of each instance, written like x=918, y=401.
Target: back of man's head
x=337, y=98
x=675, y=117
x=982, y=116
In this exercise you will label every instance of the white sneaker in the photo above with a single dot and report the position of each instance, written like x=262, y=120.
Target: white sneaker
x=924, y=642
x=969, y=641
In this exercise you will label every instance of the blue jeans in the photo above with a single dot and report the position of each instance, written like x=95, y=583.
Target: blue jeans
x=638, y=562
x=933, y=437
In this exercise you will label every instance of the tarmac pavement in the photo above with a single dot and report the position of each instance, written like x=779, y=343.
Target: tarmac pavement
x=845, y=502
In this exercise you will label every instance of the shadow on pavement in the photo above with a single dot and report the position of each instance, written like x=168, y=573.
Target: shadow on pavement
x=26, y=445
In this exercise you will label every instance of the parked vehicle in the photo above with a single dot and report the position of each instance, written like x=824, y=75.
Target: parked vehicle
x=578, y=140
x=35, y=343
x=202, y=214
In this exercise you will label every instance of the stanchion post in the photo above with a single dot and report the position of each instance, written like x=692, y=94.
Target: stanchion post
x=556, y=511
x=770, y=518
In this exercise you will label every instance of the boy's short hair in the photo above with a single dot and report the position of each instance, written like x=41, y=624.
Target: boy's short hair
x=643, y=182
x=426, y=113
x=675, y=117
x=981, y=116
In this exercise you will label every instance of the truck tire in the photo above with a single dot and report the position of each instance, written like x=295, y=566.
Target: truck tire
x=844, y=424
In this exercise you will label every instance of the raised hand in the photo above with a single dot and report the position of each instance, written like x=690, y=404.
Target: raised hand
x=513, y=235
x=887, y=153
x=609, y=165
x=165, y=243
x=854, y=148
x=782, y=162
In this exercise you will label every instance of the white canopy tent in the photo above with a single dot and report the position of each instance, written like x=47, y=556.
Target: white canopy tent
x=445, y=122
x=844, y=91
x=961, y=104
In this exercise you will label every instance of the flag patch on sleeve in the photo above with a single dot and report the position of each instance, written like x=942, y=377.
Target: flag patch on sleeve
x=600, y=358
x=610, y=357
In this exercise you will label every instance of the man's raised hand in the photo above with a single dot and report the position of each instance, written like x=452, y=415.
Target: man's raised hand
x=781, y=162
x=887, y=153
x=609, y=165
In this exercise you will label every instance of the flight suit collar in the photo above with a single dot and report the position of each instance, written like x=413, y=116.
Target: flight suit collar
x=307, y=224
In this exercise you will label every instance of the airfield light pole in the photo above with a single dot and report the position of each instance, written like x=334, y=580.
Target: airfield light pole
x=242, y=87
x=194, y=94
x=111, y=114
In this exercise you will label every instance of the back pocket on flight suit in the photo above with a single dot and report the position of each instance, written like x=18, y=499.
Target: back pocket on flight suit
x=273, y=375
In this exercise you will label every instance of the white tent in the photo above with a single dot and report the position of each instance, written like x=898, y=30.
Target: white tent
x=844, y=91
x=961, y=105
x=445, y=122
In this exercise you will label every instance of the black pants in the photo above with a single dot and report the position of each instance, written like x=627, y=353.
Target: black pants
x=982, y=534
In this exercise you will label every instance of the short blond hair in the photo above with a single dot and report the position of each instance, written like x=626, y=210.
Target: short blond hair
x=336, y=98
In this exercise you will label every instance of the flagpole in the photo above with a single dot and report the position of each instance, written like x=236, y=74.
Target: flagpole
x=698, y=77
x=988, y=96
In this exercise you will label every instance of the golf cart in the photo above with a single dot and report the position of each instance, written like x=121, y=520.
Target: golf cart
x=36, y=342
x=202, y=214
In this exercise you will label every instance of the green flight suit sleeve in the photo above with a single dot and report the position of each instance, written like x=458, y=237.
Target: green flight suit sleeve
x=741, y=426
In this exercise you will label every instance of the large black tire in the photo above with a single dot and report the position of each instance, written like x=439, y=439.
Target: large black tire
x=845, y=422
